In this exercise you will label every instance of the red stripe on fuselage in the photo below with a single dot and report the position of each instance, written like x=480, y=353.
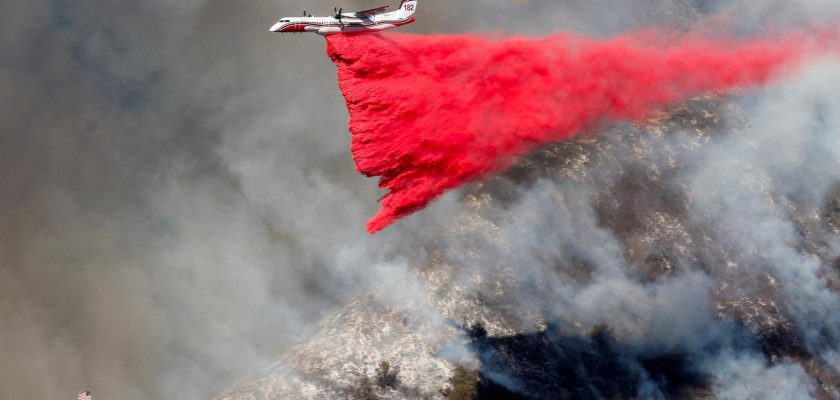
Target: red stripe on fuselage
x=408, y=21
x=294, y=28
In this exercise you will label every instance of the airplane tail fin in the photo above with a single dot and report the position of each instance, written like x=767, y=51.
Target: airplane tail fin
x=407, y=8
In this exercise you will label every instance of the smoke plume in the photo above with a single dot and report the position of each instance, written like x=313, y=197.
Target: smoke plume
x=429, y=113
x=181, y=212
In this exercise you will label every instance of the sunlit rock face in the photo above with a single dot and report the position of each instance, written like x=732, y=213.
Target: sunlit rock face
x=664, y=259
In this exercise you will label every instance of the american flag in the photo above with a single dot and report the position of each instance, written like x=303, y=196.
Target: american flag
x=84, y=396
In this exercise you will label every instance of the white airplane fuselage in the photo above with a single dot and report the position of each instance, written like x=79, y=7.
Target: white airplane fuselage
x=349, y=22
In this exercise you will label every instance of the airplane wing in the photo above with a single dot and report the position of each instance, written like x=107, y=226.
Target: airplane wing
x=372, y=11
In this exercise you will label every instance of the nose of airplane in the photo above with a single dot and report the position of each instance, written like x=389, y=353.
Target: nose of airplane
x=275, y=28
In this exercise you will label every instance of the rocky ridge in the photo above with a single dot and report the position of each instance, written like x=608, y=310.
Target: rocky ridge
x=471, y=316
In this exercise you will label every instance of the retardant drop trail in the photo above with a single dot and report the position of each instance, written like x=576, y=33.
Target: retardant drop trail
x=429, y=113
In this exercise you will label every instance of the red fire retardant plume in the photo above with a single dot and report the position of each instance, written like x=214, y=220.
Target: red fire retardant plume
x=429, y=113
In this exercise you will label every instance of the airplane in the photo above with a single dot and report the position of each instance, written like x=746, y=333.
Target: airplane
x=362, y=21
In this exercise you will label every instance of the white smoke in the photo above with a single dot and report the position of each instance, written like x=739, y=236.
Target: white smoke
x=180, y=205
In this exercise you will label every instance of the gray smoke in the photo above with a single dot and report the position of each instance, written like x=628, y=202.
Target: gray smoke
x=180, y=205
x=749, y=232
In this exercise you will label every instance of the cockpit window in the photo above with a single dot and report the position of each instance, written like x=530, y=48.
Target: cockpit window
x=284, y=20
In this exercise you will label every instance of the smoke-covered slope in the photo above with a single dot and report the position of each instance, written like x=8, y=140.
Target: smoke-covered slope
x=672, y=259
x=179, y=205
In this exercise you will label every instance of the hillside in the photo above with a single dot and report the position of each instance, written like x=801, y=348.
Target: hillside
x=597, y=269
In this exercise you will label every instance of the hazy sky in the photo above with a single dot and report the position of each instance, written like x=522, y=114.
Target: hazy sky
x=178, y=198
